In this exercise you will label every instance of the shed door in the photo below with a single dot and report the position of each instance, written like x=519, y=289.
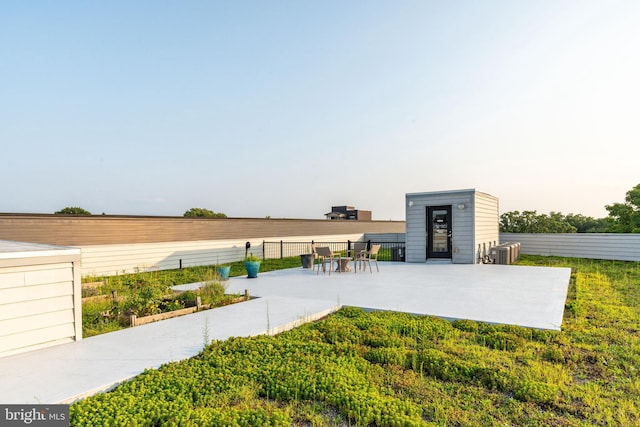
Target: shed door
x=438, y=231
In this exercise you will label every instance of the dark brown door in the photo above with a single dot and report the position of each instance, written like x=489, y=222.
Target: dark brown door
x=438, y=232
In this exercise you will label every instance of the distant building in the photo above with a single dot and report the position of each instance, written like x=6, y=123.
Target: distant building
x=349, y=213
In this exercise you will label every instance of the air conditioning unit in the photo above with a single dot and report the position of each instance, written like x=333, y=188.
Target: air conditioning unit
x=505, y=253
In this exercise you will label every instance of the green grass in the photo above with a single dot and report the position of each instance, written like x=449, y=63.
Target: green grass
x=393, y=369
x=168, y=278
x=143, y=293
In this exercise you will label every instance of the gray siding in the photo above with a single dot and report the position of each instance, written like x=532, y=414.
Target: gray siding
x=462, y=232
x=487, y=228
x=462, y=224
x=623, y=247
x=474, y=225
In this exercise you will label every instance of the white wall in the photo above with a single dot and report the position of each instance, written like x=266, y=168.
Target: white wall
x=614, y=246
x=40, y=300
x=385, y=237
x=103, y=260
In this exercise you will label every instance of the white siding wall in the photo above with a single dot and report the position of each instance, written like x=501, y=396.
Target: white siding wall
x=102, y=260
x=487, y=227
x=37, y=304
x=614, y=246
x=385, y=237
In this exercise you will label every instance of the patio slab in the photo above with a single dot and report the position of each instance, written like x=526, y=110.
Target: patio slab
x=517, y=295
x=68, y=372
x=526, y=296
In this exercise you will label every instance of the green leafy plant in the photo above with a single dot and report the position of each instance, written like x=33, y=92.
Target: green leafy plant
x=212, y=292
x=252, y=258
x=392, y=369
x=144, y=300
x=203, y=213
x=72, y=210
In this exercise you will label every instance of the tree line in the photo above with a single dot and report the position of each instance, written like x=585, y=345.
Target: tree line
x=191, y=213
x=622, y=218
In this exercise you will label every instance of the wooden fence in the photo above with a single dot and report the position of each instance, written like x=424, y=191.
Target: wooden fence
x=67, y=230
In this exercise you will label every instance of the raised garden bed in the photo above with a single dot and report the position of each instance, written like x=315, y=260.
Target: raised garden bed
x=124, y=301
x=103, y=310
x=138, y=321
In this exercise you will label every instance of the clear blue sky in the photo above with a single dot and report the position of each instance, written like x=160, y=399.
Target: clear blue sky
x=285, y=108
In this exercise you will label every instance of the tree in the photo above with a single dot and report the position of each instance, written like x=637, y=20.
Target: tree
x=203, y=213
x=587, y=224
x=625, y=217
x=72, y=211
x=532, y=222
x=516, y=222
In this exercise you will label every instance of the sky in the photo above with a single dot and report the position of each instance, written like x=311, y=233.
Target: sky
x=285, y=108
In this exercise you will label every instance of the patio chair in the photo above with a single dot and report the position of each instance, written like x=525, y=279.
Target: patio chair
x=370, y=255
x=359, y=248
x=325, y=256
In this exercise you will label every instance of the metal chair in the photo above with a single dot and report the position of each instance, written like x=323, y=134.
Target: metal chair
x=359, y=248
x=325, y=256
x=370, y=255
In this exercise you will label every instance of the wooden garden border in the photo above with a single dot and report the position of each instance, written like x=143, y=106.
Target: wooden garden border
x=139, y=321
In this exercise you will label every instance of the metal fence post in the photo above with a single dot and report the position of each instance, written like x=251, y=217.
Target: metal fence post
x=281, y=249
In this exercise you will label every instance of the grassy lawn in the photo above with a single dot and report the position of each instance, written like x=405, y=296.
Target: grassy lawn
x=390, y=369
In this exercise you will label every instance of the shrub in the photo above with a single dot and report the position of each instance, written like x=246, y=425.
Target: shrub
x=144, y=300
x=188, y=298
x=212, y=292
x=74, y=210
x=535, y=391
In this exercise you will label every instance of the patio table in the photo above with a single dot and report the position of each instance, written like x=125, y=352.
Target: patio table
x=343, y=264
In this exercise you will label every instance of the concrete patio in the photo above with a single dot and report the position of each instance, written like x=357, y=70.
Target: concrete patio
x=518, y=295
x=526, y=296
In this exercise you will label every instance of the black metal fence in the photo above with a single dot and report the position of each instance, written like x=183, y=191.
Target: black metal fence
x=389, y=251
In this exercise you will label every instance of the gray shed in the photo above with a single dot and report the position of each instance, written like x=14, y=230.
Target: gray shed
x=458, y=226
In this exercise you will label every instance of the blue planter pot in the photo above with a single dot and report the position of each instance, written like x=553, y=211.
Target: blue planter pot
x=223, y=272
x=252, y=268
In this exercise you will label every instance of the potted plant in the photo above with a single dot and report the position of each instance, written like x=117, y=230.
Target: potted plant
x=307, y=259
x=252, y=265
x=223, y=271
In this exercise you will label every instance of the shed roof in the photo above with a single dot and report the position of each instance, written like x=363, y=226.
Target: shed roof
x=10, y=249
x=428, y=193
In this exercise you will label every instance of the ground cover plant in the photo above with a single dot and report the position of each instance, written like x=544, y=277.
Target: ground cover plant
x=391, y=369
x=148, y=293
